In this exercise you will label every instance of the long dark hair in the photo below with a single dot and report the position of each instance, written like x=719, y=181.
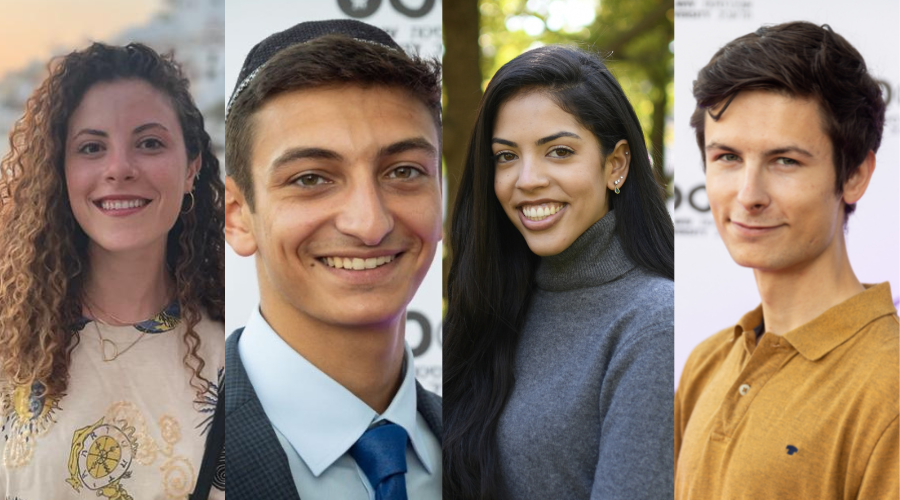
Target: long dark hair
x=491, y=279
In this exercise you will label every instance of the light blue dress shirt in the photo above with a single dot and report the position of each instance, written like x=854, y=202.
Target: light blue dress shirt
x=317, y=420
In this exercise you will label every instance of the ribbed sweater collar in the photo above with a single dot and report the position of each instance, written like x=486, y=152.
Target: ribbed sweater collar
x=594, y=258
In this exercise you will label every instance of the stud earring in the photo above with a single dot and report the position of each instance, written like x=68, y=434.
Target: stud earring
x=616, y=183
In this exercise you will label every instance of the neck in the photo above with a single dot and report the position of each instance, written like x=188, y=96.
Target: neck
x=795, y=296
x=366, y=360
x=132, y=285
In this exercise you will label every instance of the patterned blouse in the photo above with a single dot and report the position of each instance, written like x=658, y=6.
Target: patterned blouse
x=130, y=425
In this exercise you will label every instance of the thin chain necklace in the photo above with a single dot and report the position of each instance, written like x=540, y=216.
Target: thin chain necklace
x=104, y=342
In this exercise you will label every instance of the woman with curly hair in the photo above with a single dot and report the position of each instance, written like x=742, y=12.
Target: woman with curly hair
x=111, y=282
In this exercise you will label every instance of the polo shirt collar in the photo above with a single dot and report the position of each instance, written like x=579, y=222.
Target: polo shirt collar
x=835, y=326
x=317, y=415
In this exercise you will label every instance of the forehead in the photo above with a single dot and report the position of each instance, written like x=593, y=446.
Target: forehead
x=764, y=120
x=532, y=113
x=123, y=103
x=349, y=120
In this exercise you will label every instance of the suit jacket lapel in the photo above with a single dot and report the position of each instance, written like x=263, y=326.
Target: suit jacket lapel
x=429, y=406
x=255, y=463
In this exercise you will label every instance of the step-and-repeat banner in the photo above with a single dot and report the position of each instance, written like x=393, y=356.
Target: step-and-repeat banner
x=416, y=26
x=711, y=291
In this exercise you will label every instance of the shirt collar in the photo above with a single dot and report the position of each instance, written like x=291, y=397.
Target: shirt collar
x=835, y=326
x=318, y=416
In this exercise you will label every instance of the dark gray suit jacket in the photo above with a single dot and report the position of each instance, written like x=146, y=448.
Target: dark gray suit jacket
x=255, y=463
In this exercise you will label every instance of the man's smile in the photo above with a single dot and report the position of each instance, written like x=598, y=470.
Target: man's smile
x=357, y=263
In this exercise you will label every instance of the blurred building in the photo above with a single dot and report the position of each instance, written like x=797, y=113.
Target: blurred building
x=193, y=30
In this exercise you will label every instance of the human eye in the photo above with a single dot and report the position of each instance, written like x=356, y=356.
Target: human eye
x=728, y=157
x=310, y=180
x=787, y=161
x=404, y=172
x=90, y=148
x=504, y=156
x=561, y=152
x=150, y=143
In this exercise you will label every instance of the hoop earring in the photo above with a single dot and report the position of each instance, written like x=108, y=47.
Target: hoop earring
x=191, y=194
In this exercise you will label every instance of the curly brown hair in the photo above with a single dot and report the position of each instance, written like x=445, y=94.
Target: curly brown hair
x=43, y=250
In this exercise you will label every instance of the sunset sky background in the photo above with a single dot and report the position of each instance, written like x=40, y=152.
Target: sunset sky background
x=39, y=29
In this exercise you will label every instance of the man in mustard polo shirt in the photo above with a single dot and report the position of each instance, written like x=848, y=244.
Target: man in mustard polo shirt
x=799, y=399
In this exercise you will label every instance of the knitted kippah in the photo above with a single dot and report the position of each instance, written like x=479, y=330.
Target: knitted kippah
x=263, y=51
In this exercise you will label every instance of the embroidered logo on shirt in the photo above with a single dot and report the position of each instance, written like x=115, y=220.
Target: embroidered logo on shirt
x=178, y=472
x=791, y=449
x=28, y=414
x=100, y=458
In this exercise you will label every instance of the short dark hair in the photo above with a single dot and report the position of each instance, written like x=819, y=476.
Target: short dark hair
x=332, y=60
x=804, y=60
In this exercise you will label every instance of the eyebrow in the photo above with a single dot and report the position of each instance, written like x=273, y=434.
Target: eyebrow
x=147, y=126
x=296, y=154
x=539, y=142
x=137, y=130
x=90, y=131
x=313, y=153
x=412, y=144
x=771, y=152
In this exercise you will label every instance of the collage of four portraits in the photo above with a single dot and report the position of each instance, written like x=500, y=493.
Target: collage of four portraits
x=424, y=249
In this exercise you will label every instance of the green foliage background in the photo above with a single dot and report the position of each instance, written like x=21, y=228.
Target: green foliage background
x=634, y=37
x=636, y=50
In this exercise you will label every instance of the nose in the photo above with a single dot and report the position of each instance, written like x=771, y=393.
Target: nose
x=753, y=194
x=364, y=214
x=531, y=175
x=120, y=166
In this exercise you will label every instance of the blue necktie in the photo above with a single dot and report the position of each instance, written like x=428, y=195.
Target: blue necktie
x=381, y=454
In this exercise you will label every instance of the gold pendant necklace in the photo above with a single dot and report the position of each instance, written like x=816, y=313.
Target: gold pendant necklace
x=104, y=342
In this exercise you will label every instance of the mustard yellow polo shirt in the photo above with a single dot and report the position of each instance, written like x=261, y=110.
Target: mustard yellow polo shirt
x=811, y=414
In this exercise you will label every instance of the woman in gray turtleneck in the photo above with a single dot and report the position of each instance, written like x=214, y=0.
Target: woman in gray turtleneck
x=558, y=335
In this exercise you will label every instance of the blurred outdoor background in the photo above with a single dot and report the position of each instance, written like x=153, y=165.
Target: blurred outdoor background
x=32, y=32
x=634, y=37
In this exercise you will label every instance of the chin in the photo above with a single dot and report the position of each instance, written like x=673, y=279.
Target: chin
x=364, y=319
x=363, y=311
x=121, y=244
x=547, y=248
x=757, y=262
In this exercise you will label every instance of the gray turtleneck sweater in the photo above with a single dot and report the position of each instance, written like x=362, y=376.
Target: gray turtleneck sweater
x=590, y=415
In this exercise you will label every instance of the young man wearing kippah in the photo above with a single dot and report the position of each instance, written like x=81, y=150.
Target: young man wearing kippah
x=800, y=398
x=332, y=153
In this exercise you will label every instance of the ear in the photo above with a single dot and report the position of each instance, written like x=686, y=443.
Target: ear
x=855, y=186
x=238, y=220
x=617, y=164
x=192, y=173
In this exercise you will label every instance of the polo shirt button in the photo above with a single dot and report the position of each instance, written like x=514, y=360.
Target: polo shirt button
x=744, y=389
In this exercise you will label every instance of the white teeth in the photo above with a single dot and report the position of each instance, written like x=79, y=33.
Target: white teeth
x=122, y=204
x=356, y=263
x=541, y=212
